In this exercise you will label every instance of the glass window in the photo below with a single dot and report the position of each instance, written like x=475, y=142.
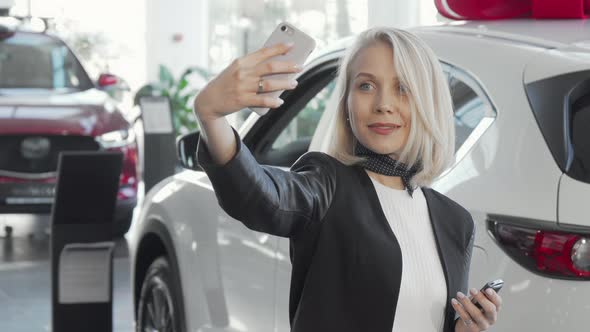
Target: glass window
x=469, y=109
x=240, y=27
x=302, y=127
x=580, y=168
x=29, y=60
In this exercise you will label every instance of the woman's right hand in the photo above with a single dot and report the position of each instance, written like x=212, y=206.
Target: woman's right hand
x=236, y=86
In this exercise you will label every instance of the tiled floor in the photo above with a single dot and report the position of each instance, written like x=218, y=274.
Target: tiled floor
x=25, y=293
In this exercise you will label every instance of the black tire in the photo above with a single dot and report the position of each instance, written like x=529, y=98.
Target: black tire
x=159, y=306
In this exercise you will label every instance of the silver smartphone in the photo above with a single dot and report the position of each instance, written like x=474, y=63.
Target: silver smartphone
x=496, y=285
x=303, y=45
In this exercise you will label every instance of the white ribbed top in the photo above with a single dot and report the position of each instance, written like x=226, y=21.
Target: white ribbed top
x=423, y=292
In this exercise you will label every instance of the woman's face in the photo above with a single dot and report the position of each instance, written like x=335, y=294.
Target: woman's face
x=377, y=103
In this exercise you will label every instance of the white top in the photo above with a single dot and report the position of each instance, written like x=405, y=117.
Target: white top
x=423, y=289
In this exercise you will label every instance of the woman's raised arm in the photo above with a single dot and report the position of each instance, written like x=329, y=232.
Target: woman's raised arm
x=264, y=198
x=236, y=88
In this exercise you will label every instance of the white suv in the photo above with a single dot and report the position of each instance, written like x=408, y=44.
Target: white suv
x=521, y=92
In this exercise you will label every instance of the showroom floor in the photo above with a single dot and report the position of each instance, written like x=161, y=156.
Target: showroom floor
x=25, y=292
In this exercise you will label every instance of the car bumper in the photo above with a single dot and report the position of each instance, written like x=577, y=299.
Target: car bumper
x=35, y=219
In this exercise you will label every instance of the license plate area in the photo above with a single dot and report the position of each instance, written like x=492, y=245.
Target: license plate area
x=27, y=193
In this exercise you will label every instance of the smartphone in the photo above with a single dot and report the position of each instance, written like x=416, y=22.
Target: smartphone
x=496, y=285
x=303, y=45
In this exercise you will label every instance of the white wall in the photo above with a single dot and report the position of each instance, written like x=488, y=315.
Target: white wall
x=402, y=13
x=164, y=19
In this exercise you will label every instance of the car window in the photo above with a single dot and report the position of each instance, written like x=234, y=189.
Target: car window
x=302, y=126
x=470, y=106
x=580, y=168
x=561, y=107
x=578, y=107
x=29, y=60
x=469, y=110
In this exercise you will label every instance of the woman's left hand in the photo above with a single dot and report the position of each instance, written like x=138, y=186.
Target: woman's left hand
x=472, y=318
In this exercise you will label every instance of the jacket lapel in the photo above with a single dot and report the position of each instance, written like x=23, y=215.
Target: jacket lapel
x=443, y=225
x=441, y=242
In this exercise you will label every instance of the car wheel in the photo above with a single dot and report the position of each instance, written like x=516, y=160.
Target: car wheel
x=159, y=308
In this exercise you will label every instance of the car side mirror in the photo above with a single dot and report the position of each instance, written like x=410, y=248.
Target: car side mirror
x=186, y=148
x=114, y=85
x=109, y=80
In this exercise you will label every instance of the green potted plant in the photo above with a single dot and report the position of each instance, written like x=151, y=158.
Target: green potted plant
x=180, y=94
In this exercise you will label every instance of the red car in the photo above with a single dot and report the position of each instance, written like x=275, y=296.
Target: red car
x=48, y=104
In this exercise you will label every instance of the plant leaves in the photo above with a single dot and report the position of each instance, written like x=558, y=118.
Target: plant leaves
x=166, y=77
x=182, y=112
x=182, y=84
x=203, y=72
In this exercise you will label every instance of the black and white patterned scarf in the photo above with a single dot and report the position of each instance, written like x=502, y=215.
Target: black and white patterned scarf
x=383, y=164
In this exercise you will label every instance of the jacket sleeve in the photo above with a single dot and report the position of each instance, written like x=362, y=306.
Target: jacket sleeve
x=468, y=253
x=269, y=199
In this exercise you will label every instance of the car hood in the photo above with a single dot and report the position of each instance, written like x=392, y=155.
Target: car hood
x=86, y=113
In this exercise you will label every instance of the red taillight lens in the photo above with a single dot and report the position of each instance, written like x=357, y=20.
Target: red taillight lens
x=548, y=252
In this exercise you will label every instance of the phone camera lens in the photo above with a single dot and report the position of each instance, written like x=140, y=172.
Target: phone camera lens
x=283, y=28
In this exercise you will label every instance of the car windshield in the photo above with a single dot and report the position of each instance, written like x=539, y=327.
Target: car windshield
x=37, y=61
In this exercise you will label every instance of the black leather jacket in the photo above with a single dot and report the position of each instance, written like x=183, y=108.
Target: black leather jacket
x=346, y=261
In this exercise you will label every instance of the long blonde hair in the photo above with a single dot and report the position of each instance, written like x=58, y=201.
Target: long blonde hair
x=432, y=133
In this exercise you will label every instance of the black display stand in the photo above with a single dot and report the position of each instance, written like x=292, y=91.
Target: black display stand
x=159, y=140
x=82, y=241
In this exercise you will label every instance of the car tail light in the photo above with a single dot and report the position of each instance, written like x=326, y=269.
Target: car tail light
x=124, y=142
x=581, y=254
x=548, y=252
x=128, y=179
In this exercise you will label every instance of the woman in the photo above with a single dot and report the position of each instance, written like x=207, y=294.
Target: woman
x=372, y=247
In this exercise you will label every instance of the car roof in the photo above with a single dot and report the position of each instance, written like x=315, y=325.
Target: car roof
x=547, y=33
x=542, y=33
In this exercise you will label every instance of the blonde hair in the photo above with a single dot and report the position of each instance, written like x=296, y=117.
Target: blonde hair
x=431, y=138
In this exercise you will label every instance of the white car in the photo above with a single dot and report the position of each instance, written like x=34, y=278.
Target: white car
x=521, y=91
